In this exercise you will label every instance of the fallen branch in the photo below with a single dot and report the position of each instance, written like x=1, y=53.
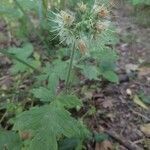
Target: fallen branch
x=121, y=140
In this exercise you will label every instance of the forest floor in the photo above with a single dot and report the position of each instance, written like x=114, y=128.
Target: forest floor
x=119, y=111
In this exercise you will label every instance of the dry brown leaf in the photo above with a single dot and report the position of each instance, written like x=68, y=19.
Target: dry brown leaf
x=111, y=116
x=25, y=135
x=144, y=71
x=107, y=103
x=145, y=129
x=105, y=145
x=4, y=60
x=131, y=67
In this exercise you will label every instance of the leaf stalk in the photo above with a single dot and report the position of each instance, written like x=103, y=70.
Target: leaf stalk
x=70, y=68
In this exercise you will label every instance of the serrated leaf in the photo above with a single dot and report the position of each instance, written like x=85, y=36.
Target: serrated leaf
x=68, y=144
x=53, y=73
x=111, y=76
x=69, y=101
x=53, y=82
x=44, y=140
x=9, y=140
x=43, y=94
x=51, y=118
x=90, y=72
x=108, y=37
x=23, y=54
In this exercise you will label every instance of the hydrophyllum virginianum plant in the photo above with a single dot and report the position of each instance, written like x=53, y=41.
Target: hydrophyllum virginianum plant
x=88, y=32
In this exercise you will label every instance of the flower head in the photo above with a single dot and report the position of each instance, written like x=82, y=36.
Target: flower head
x=100, y=26
x=101, y=11
x=67, y=17
x=82, y=7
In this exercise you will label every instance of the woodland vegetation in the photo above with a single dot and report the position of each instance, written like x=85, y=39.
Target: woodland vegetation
x=74, y=75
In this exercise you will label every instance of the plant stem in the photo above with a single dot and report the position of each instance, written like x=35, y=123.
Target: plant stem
x=32, y=25
x=3, y=117
x=70, y=68
x=18, y=59
x=40, y=10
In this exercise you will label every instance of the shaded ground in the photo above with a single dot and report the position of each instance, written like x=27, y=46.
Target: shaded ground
x=116, y=112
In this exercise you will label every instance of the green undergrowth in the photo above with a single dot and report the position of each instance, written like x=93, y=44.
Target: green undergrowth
x=141, y=12
x=44, y=118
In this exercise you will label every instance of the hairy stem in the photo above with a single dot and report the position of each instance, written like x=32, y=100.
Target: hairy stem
x=70, y=68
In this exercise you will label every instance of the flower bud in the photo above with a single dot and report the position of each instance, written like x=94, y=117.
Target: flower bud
x=103, y=12
x=82, y=46
x=67, y=18
x=82, y=7
x=25, y=135
x=100, y=26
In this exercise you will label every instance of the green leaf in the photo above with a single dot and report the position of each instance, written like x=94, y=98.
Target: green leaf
x=100, y=137
x=9, y=140
x=144, y=98
x=43, y=94
x=107, y=55
x=110, y=76
x=53, y=82
x=23, y=54
x=138, y=2
x=44, y=140
x=90, y=72
x=69, y=101
x=68, y=144
x=53, y=73
x=108, y=37
x=48, y=123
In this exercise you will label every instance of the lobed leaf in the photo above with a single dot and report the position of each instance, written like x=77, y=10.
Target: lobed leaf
x=9, y=140
x=48, y=123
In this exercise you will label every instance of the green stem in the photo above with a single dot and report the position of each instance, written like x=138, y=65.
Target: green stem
x=40, y=10
x=63, y=4
x=18, y=59
x=3, y=117
x=32, y=25
x=70, y=68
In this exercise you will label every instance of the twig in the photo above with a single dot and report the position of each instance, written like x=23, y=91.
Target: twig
x=138, y=141
x=139, y=114
x=127, y=144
